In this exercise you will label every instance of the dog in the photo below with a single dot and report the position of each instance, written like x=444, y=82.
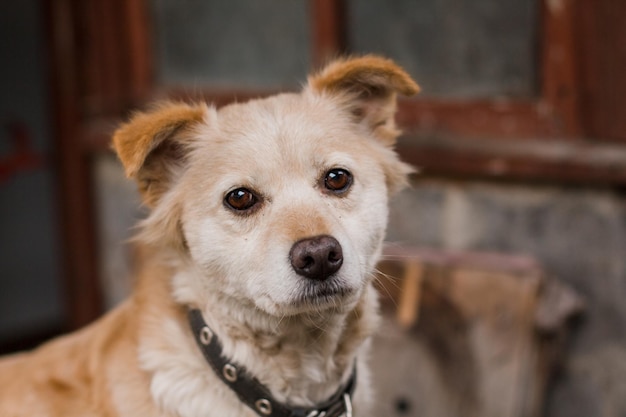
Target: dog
x=254, y=295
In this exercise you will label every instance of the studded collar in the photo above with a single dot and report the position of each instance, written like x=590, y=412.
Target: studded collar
x=254, y=394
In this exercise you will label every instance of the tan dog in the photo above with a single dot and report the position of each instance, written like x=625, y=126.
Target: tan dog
x=267, y=219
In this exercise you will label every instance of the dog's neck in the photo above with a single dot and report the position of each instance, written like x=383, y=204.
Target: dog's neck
x=302, y=360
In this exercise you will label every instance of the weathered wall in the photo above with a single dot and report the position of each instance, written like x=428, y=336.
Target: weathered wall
x=119, y=209
x=577, y=234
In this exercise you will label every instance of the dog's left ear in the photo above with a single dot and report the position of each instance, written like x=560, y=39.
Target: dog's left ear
x=153, y=144
x=369, y=86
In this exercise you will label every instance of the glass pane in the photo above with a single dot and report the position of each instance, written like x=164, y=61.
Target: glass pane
x=231, y=44
x=453, y=48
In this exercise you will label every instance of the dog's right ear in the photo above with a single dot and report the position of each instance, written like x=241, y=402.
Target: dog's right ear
x=368, y=85
x=153, y=144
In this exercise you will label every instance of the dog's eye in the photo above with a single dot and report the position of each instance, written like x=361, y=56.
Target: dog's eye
x=241, y=199
x=338, y=180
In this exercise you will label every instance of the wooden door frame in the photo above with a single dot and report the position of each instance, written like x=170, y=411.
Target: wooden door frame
x=100, y=65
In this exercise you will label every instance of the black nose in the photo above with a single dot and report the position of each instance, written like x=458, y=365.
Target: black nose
x=317, y=257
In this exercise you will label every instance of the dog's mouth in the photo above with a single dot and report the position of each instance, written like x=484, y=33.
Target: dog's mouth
x=320, y=294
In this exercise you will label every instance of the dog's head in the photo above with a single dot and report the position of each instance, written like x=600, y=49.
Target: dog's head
x=281, y=202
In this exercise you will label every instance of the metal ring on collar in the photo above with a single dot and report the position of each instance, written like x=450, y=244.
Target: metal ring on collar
x=229, y=372
x=264, y=406
x=206, y=335
x=348, y=403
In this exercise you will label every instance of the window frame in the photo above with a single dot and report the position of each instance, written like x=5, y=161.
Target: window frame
x=102, y=65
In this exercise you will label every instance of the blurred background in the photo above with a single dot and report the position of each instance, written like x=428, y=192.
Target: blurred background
x=504, y=288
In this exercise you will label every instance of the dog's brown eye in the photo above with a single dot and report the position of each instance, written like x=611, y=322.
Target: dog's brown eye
x=338, y=180
x=241, y=199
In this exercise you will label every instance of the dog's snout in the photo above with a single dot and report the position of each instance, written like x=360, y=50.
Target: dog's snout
x=317, y=257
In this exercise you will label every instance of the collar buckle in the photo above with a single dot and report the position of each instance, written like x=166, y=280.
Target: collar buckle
x=348, y=404
x=346, y=410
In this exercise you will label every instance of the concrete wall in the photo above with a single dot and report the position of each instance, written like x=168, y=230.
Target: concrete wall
x=577, y=234
x=119, y=209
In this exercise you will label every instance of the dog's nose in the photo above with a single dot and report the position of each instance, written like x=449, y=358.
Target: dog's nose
x=317, y=257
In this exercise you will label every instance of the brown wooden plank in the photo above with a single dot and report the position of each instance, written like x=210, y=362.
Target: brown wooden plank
x=114, y=55
x=501, y=119
x=103, y=22
x=602, y=42
x=560, y=80
x=140, y=59
x=328, y=28
x=82, y=287
x=580, y=163
x=410, y=293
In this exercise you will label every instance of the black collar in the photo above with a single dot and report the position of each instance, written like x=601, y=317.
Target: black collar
x=254, y=394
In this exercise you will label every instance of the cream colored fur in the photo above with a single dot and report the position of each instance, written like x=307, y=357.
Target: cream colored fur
x=141, y=359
